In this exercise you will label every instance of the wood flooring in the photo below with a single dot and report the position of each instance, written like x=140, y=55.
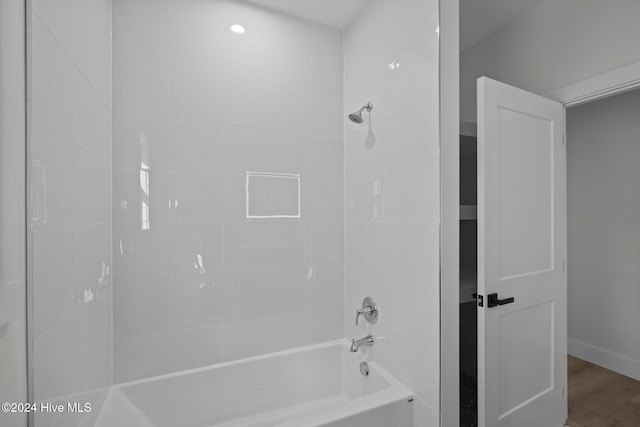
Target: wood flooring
x=599, y=397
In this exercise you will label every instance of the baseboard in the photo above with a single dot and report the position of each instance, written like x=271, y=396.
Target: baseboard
x=607, y=359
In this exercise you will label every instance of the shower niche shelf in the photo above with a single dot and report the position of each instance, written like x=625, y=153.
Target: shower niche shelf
x=468, y=212
x=468, y=284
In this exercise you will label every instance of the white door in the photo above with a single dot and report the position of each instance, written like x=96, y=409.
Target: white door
x=522, y=350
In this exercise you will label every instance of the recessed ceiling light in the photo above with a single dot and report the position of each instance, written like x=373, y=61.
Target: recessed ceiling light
x=237, y=28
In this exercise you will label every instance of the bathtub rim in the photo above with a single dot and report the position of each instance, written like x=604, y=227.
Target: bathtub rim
x=343, y=342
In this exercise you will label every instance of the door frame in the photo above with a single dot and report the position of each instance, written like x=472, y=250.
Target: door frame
x=449, y=51
x=610, y=83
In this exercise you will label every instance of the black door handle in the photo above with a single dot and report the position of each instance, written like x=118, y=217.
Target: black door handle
x=493, y=301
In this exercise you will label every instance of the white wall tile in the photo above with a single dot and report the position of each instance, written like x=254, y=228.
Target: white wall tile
x=207, y=196
x=364, y=198
x=142, y=251
x=167, y=144
x=297, y=284
x=73, y=27
x=167, y=246
x=60, y=173
x=57, y=374
x=103, y=193
x=156, y=350
x=355, y=241
x=195, y=146
x=81, y=334
x=245, y=104
x=133, y=201
x=91, y=252
x=141, y=140
x=414, y=135
x=52, y=104
x=141, y=90
x=195, y=241
x=52, y=300
x=261, y=242
x=251, y=150
x=324, y=158
x=151, y=7
x=245, y=57
x=410, y=249
x=413, y=191
x=287, y=284
x=99, y=12
x=212, y=293
x=289, y=67
x=327, y=75
x=100, y=372
x=323, y=199
x=327, y=322
x=324, y=282
x=196, y=295
x=52, y=255
x=290, y=111
x=195, y=45
x=142, y=300
x=326, y=118
x=196, y=97
x=318, y=38
x=85, y=195
x=140, y=37
x=248, y=335
x=327, y=240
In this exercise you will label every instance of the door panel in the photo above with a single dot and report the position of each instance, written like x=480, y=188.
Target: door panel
x=524, y=191
x=521, y=253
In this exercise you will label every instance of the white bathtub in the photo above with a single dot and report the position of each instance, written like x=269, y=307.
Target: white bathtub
x=319, y=385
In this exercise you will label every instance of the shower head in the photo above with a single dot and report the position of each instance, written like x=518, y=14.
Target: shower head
x=357, y=116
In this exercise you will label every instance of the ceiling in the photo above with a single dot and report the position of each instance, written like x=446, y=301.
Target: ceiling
x=480, y=18
x=337, y=13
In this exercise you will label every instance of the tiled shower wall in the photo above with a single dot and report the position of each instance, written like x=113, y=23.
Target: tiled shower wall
x=213, y=264
x=392, y=191
x=70, y=200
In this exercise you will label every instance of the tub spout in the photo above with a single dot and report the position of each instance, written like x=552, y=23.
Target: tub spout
x=362, y=342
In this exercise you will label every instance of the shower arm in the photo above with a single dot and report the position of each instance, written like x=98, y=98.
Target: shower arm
x=368, y=107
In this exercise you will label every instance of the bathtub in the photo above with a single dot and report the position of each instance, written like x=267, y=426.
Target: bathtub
x=320, y=385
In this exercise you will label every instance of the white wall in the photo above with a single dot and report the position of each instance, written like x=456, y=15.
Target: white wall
x=604, y=231
x=392, y=209
x=71, y=205
x=13, y=344
x=552, y=45
x=196, y=107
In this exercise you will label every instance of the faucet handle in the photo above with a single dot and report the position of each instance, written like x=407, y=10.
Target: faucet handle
x=362, y=311
x=369, y=310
